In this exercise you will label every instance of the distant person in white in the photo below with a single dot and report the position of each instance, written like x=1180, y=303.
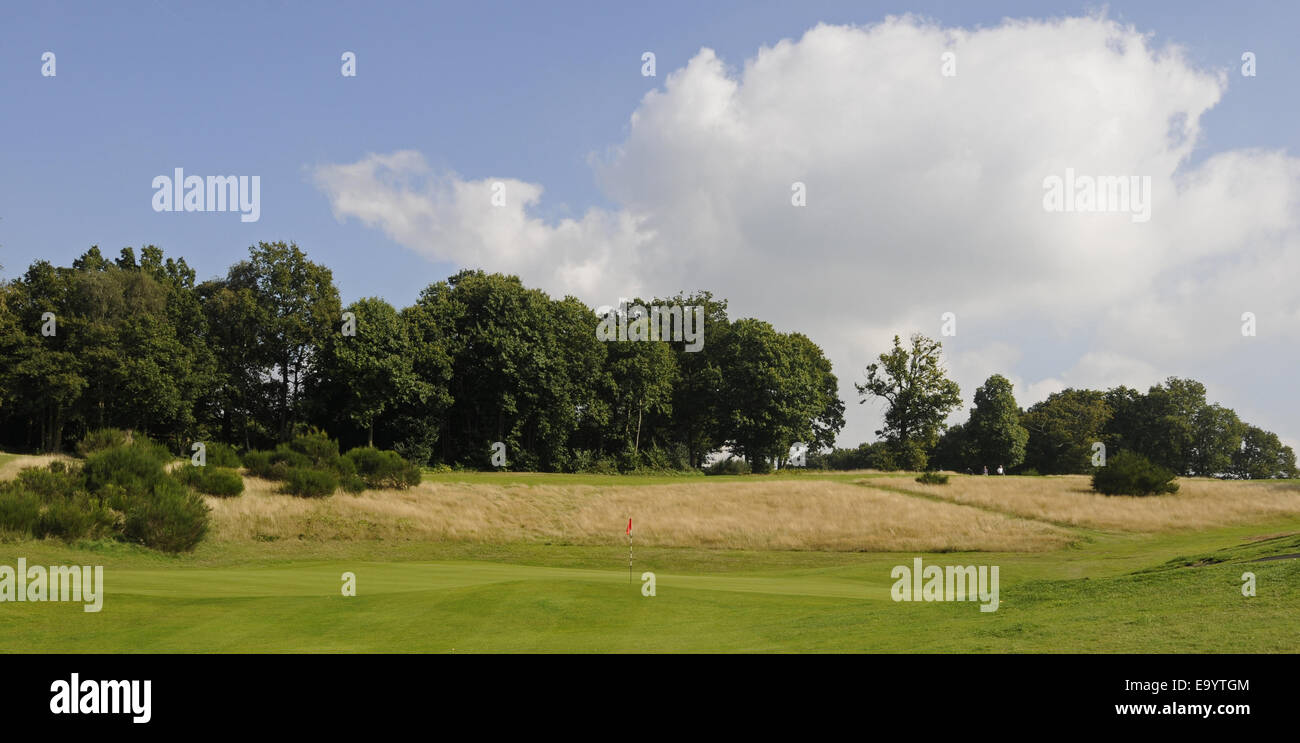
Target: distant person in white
x=1000, y=472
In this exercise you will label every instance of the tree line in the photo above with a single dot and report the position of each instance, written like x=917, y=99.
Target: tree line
x=1172, y=425
x=137, y=342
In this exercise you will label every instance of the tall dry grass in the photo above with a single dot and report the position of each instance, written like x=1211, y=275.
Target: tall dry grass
x=981, y=513
x=10, y=469
x=753, y=514
x=1069, y=500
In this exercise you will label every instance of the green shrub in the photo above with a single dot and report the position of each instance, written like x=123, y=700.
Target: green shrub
x=287, y=455
x=315, y=452
x=318, y=448
x=384, y=469
x=589, y=462
x=100, y=439
x=135, y=466
x=275, y=465
x=49, y=483
x=728, y=466
x=344, y=467
x=656, y=459
x=416, y=450
x=1130, y=473
x=605, y=465
x=20, y=511
x=219, y=481
x=167, y=517
x=121, y=490
x=218, y=454
x=115, y=497
x=258, y=463
x=309, y=483
x=81, y=517
x=280, y=470
x=932, y=478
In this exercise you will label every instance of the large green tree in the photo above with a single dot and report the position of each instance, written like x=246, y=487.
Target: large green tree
x=1062, y=430
x=366, y=369
x=1216, y=436
x=918, y=394
x=1262, y=455
x=106, y=344
x=644, y=374
x=994, y=435
x=509, y=381
x=294, y=308
x=778, y=391
x=698, y=402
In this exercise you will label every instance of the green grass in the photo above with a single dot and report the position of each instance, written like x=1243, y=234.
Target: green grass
x=1112, y=594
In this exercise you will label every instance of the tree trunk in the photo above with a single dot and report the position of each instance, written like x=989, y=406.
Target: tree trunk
x=636, y=447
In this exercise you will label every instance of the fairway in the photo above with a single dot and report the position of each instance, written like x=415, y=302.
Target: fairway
x=1167, y=590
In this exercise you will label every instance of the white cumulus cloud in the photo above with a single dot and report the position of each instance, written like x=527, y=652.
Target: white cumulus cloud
x=924, y=196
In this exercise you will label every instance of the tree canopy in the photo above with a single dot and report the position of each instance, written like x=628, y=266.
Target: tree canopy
x=478, y=359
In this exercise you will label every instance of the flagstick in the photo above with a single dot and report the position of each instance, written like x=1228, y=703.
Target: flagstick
x=630, y=579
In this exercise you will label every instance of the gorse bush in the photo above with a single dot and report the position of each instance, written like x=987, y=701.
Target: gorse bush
x=258, y=463
x=273, y=465
x=211, y=480
x=221, y=481
x=319, y=450
x=932, y=478
x=121, y=490
x=168, y=516
x=345, y=468
x=310, y=483
x=20, y=511
x=310, y=465
x=79, y=517
x=383, y=469
x=133, y=466
x=61, y=508
x=1129, y=473
x=100, y=439
x=218, y=454
x=51, y=482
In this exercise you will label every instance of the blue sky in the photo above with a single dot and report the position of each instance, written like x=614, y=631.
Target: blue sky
x=527, y=91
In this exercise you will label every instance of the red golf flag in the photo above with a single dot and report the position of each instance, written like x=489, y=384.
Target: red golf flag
x=629, y=525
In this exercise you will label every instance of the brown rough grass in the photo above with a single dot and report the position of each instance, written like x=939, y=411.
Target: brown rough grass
x=980, y=513
x=10, y=469
x=1198, y=504
x=753, y=514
